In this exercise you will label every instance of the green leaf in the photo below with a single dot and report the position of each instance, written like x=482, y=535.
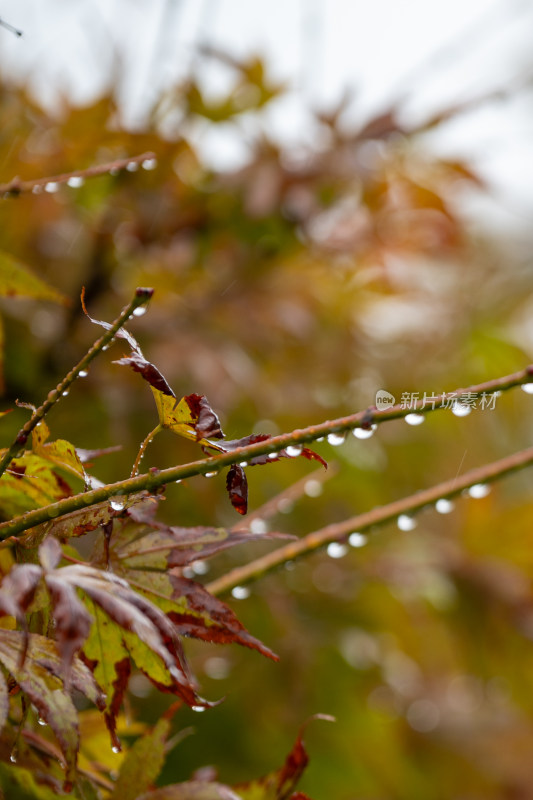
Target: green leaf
x=17, y=280
x=61, y=453
x=143, y=763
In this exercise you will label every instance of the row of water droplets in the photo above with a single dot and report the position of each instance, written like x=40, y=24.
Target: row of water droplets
x=76, y=181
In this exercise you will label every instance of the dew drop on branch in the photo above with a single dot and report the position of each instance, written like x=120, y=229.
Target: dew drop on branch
x=414, y=419
x=115, y=748
x=240, y=592
x=357, y=539
x=209, y=474
x=65, y=393
x=132, y=166
x=273, y=456
x=51, y=187
x=336, y=550
x=198, y=709
x=76, y=181
x=527, y=388
x=461, y=409
x=336, y=439
x=149, y=163
x=444, y=506
x=200, y=567
x=41, y=721
x=117, y=503
x=294, y=450
x=478, y=490
x=82, y=373
x=140, y=311
x=243, y=463
x=405, y=522
x=364, y=433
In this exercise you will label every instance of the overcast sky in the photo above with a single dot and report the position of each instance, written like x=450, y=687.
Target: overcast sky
x=436, y=52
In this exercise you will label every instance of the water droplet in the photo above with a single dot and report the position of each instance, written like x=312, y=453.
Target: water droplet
x=199, y=709
x=258, y=526
x=200, y=567
x=320, y=439
x=527, y=388
x=240, y=592
x=117, y=503
x=336, y=550
x=243, y=463
x=273, y=456
x=37, y=189
x=132, y=166
x=294, y=450
x=357, y=539
x=336, y=439
x=209, y=474
x=140, y=311
x=41, y=721
x=313, y=488
x=82, y=373
x=444, y=506
x=13, y=758
x=149, y=163
x=414, y=419
x=405, y=522
x=364, y=433
x=65, y=393
x=51, y=187
x=461, y=409
x=76, y=181
x=478, y=490
x=115, y=748
x=105, y=347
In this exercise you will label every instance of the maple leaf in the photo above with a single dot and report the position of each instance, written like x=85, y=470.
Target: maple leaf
x=40, y=678
x=193, y=418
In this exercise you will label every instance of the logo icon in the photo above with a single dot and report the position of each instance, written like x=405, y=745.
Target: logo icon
x=384, y=399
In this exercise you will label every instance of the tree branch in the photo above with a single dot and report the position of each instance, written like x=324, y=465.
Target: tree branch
x=76, y=178
x=141, y=297
x=339, y=531
x=156, y=478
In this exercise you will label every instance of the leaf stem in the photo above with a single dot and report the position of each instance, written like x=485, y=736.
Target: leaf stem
x=142, y=449
x=141, y=297
x=339, y=531
x=156, y=478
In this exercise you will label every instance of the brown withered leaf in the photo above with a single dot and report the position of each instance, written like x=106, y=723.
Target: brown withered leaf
x=237, y=487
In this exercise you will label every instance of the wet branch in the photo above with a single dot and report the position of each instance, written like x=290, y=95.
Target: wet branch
x=156, y=478
x=76, y=178
x=339, y=531
x=17, y=447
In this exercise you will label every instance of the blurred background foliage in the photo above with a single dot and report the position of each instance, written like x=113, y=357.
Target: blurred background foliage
x=289, y=291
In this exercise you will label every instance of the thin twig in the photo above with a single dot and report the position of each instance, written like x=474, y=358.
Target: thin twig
x=16, y=186
x=156, y=478
x=142, y=450
x=141, y=297
x=339, y=531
